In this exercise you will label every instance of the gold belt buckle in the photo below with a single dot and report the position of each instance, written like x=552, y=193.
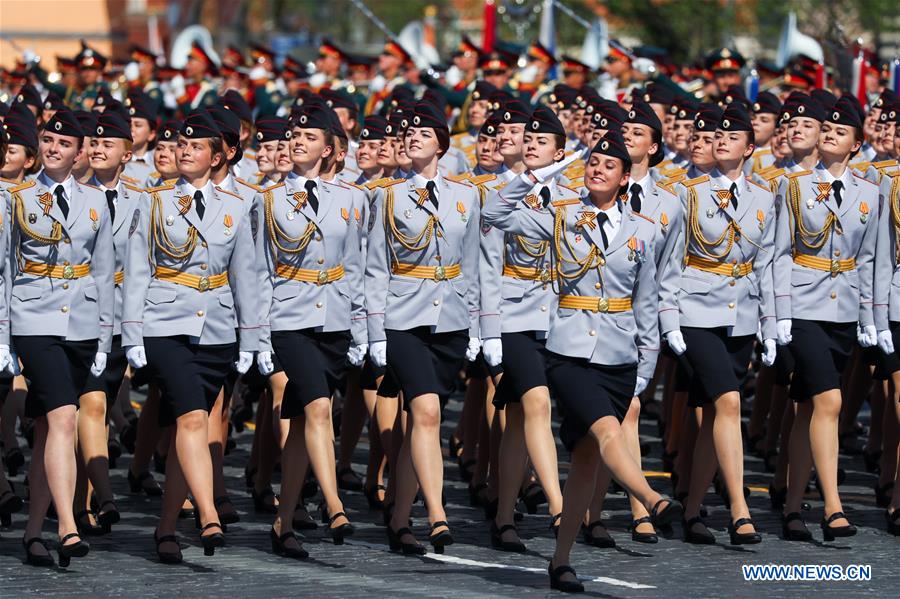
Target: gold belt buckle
x=203, y=284
x=439, y=273
x=322, y=277
x=545, y=275
x=736, y=270
x=603, y=305
x=68, y=272
x=835, y=267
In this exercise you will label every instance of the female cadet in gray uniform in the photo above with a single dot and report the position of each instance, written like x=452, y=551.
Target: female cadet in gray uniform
x=726, y=295
x=61, y=266
x=603, y=340
x=312, y=311
x=824, y=267
x=191, y=283
x=422, y=301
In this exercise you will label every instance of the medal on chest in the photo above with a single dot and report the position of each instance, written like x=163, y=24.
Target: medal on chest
x=461, y=208
x=228, y=222
x=863, y=212
x=95, y=224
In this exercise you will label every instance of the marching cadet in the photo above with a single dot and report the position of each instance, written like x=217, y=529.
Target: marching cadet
x=164, y=155
x=765, y=112
x=490, y=162
x=344, y=106
x=516, y=302
x=475, y=112
x=190, y=287
x=235, y=102
x=824, y=267
x=271, y=134
x=21, y=158
x=422, y=301
x=88, y=122
x=143, y=112
x=885, y=143
x=311, y=244
x=197, y=91
x=603, y=342
x=726, y=294
x=109, y=154
x=702, y=158
x=61, y=266
x=371, y=139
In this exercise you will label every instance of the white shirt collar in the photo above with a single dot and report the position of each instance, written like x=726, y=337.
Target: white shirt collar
x=419, y=181
x=300, y=180
x=646, y=183
x=826, y=176
x=725, y=183
x=207, y=189
x=147, y=157
x=549, y=184
x=66, y=184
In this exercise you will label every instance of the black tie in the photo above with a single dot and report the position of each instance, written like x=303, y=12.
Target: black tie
x=545, y=196
x=602, y=217
x=61, y=201
x=431, y=193
x=636, y=197
x=836, y=187
x=111, y=195
x=198, y=199
x=311, y=195
x=733, y=191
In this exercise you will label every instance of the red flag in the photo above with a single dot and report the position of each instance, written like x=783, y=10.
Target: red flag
x=490, y=26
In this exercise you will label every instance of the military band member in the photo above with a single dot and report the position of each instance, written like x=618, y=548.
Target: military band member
x=198, y=90
x=143, y=112
x=422, y=301
x=91, y=65
x=603, y=341
x=391, y=63
x=824, y=267
x=164, y=155
x=146, y=81
x=190, y=287
x=61, y=265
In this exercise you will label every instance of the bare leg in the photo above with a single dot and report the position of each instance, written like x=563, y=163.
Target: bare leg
x=512, y=464
x=541, y=444
x=353, y=419
x=425, y=450
x=577, y=494
x=92, y=436
x=294, y=462
x=39, y=500
x=59, y=464
x=823, y=437
x=320, y=446
x=800, y=458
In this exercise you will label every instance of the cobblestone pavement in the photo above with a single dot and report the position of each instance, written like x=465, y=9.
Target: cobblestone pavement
x=124, y=562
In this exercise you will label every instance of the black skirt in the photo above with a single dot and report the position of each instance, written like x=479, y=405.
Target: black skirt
x=784, y=366
x=587, y=392
x=189, y=375
x=821, y=351
x=370, y=374
x=718, y=363
x=889, y=364
x=421, y=362
x=109, y=382
x=315, y=364
x=524, y=366
x=56, y=370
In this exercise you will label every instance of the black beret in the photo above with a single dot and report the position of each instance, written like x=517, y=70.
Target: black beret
x=272, y=129
x=844, y=113
x=169, y=131
x=544, y=120
x=613, y=144
x=805, y=106
x=29, y=95
x=199, y=124
x=642, y=114
x=398, y=121
x=708, y=117
x=401, y=94
x=735, y=93
x=586, y=94
x=235, y=102
x=766, y=103
x=435, y=97
x=87, y=120
x=685, y=110
x=886, y=98
x=230, y=125
x=609, y=116
x=482, y=91
x=313, y=116
x=103, y=97
x=515, y=111
x=142, y=106
x=426, y=114
x=489, y=128
x=338, y=98
x=21, y=126
x=64, y=122
x=658, y=94
x=53, y=102
x=336, y=128
x=825, y=98
x=498, y=98
x=563, y=95
x=112, y=124
x=889, y=113
x=735, y=118
x=116, y=106
x=374, y=128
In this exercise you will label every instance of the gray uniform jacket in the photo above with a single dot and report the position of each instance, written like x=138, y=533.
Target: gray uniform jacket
x=77, y=308
x=743, y=304
x=813, y=294
x=887, y=266
x=224, y=244
x=401, y=302
x=5, y=281
x=627, y=270
x=333, y=242
x=138, y=170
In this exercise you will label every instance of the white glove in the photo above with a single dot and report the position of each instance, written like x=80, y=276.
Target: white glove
x=641, y=384
x=178, y=86
x=473, y=349
x=132, y=71
x=99, y=364
x=136, y=356
x=783, y=329
x=548, y=172
x=357, y=353
x=868, y=336
x=676, y=341
x=493, y=351
x=244, y=361
x=886, y=342
x=769, y=352
x=29, y=56
x=759, y=336
x=264, y=363
x=16, y=370
x=6, y=359
x=378, y=353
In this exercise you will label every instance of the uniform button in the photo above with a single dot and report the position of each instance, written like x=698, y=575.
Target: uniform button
x=67, y=240
x=597, y=285
x=318, y=237
x=199, y=312
x=602, y=261
x=543, y=308
x=436, y=302
x=64, y=309
x=731, y=305
x=202, y=267
x=833, y=295
x=204, y=244
x=438, y=258
x=837, y=252
x=592, y=333
x=321, y=261
x=65, y=263
x=732, y=283
x=318, y=304
x=65, y=286
x=838, y=232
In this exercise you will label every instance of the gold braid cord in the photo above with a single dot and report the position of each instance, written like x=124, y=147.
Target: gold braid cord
x=277, y=234
x=161, y=239
x=707, y=246
x=895, y=215
x=812, y=240
x=412, y=244
x=593, y=260
x=535, y=249
x=55, y=232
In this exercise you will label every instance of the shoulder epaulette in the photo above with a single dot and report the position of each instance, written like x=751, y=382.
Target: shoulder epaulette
x=248, y=184
x=3, y=180
x=863, y=178
x=666, y=185
x=499, y=187
x=762, y=151
x=459, y=135
x=22, y=186
x=672, y=172
x=383, y=182
x=482, y=179
x=129, y=179
x=464, y=182
x=645, y=217
x=797, y=174
x=861, y=166
x=352, y=184
x=568, y=202
x=167, y=185
x=773, y=174
x=457, y=178
x=895, y=173
x=155, y=175
x=695, y=181
x=566, y=187
x=884, y=164
x=276, y=186
x=134, y=188
x=763, y=187
x=231, y=193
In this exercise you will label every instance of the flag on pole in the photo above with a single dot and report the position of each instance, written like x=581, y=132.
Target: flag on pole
x=860, y=67
x=490, y=26
x=548, y=31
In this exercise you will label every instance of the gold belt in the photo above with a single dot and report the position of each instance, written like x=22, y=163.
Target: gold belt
x=437, y=273
x=595, y=304
x=68, y=271
x=736, y=270
x=307, y=275
x=119, y=277
x=527, y=273
x=193, y=281
x=825, y=264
